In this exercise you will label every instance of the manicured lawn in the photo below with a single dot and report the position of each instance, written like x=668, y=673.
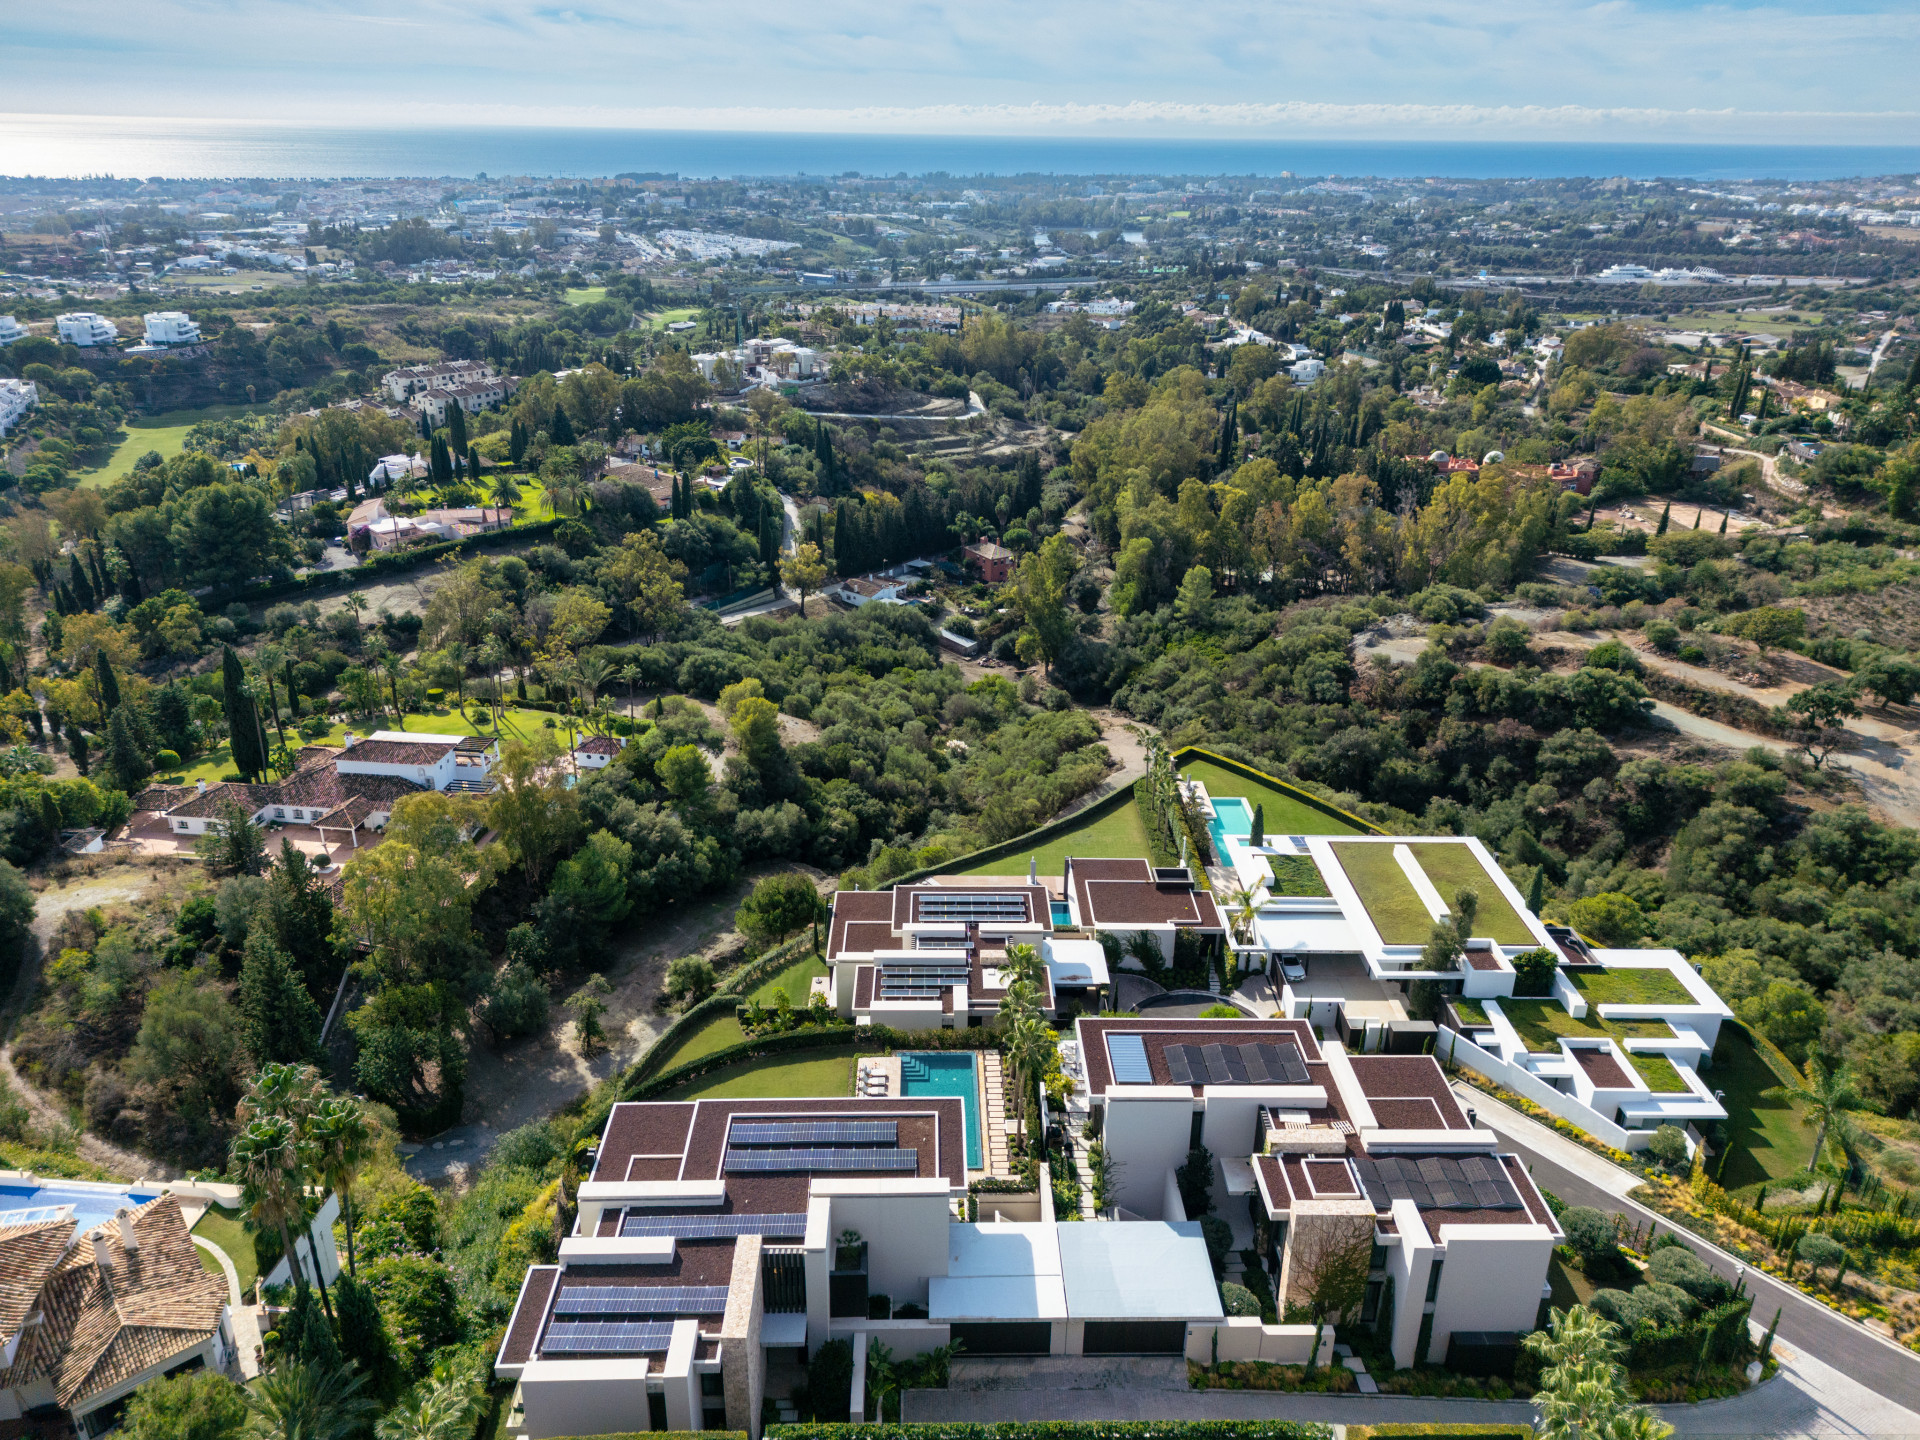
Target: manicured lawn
x=773, y=1078
x=716, y=1034
x=1641, y=1029
x=1454, y=867
x=1296, y=875
x=663, y=318
x=1766, y=1139
x=793, y=982
x=223, y=1228
x=1542, y=1023
x=1658, y=1072
x=1119, y=834
x=586, y=294
x=1281, y=813
x=166, y=433
x=1392, y=903
x=1631, y=987
x=1471, y=1011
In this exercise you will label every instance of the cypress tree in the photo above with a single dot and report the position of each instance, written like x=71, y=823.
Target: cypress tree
x=426, y=429
x=6, y=673
x=1696, y=518
x=457, y=429
x=363, y=1336
x=77, y=747
x=1537, y=891
x=517, y=442
x=99, y=577
x=79, y=586
x=51, y=822
x=842, y=542
x=243, y=721
x=1723, y=521
x=282, y=1024
x=109, y=682
x=562, y=431
x=130, y=590
x=1665, y=515
x=125, y=761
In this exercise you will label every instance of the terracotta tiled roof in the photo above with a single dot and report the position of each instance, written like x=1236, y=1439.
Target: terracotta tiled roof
x=214, y=800
x=163, y=797
x=395, y=752
x=598, y=745
x=104, y=1327
x=28, y=1255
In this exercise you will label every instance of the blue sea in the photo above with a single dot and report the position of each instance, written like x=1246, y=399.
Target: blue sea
x=190, y=149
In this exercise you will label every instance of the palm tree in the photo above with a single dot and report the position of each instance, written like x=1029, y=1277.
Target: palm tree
x=443, y=1407
x=591, y=672
x=307, y=1402
x=1827, y=1095
x=1583, y=1391
x=266, y=1156
x=506, y=493
x=1028, y=1042
x=629, y=674
x=342, y=1142
x=1245, y=909
x=294, y=1094
x=493, y=659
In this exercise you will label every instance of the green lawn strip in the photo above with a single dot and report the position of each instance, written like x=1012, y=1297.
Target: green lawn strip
x=1471, y=1011
x=775, y=1077
x=1542, y=1023
x=794, y=982
x=1392, y=902
x=586, y=294
x=1631, y=987
x=1281, y=813
x=1659, y=1073
x=1296, y=875
x=716, y=1034
x=1117, y=835
x=1453, y=867
x=1640, y=1029
x=166, y=433
x=1765, y=1137
x=224, y=1228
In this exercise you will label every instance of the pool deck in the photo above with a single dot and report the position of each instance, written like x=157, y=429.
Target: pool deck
x=993, y=1118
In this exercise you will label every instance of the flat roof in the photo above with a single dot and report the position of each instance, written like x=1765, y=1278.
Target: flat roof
x=1137, y=1270
x=1000, y=1271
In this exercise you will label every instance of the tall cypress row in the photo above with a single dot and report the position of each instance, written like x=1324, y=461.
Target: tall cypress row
x=243, y=724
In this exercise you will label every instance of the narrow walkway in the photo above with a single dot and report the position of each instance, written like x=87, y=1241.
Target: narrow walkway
x=999, y=1155
x=245, y=1319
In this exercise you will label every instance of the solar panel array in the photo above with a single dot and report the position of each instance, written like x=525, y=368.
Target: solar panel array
x=903, y=980
x=1128, y=1056
x=1438, y=1182
x=1265, y=1064
x=645, y=1223
x=814, y=1132
x=641, y=1300
x=816, y=1162
x=958, y=904
x=607, y=1337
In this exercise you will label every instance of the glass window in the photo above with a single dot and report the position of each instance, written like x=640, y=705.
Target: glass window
x=1433, y=1279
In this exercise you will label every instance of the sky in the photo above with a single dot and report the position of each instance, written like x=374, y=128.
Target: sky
x=1805, y=71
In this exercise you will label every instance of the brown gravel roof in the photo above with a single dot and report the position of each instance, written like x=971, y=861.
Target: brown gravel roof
x=531, y=1313
x=1602, y=1069
x=1157, y=1035
x=852, y=906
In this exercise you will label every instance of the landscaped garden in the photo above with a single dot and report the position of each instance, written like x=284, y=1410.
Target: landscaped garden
x=1544, y=1023
x=1296, y=875
x=224, y=1228
x=1392, y=903
x=1281, y=813
x=1766, y=1139
x=1119, y=834
x=1659, y=1073
x=1630, y=987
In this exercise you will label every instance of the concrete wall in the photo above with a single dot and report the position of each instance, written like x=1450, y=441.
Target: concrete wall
x=904, y=1337
x=1492, y=1280
x=322, y=1233
x=1453, y=1045
x=906, y=1239
x=1232, y=1125
x=1243, y=1337
x=585, y=1397
x=743, y=1364
x=1409, y=1263
x=1146, y=1136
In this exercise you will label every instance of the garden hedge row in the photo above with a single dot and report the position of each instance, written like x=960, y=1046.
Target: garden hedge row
x=1064, y=1430
x=1099, y=810
x=1440, y=1430
x=721, y=1002
x=865, y=1039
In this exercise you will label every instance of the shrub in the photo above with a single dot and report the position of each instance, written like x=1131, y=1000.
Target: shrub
x=1678, y=1266
x=166, y=760
x=1590, y=1234
x=1820, y=1251
x=1218, y=1236
x=830, y=1381
x=1663, y=635
x=1669, y=1146
x=1238, y=1300
x=1533, y=972
x=691, y=976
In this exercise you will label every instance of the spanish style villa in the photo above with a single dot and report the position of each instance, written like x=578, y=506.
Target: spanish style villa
x=346, y=791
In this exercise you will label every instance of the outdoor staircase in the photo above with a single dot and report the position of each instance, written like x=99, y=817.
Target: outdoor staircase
x=912, y=1068
x=999, y=1160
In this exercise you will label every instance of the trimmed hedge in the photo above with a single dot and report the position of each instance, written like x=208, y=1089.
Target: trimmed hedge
x=1247, y=772
x=666, y=1435
x=1098, y=810
x=1441, y=1431
x=721, y=1002
x=1067, y=1430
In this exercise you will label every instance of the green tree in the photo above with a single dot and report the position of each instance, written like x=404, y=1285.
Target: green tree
x=363, y=1333
x=308, y=1402
x=1817, y=717
x=342, y=1141
x=1583, y=1392
x=268, y=1161
x=683, y=771
x=243, y=717
x=1825, y=1097
x=106, y=682
x=1613, y=919
x=691, y=976
x=594, y=879
x=125, y=762
x=589, y=1007
x=779, y=906
x=1040, y=589
x=281, y=1020
x=233, y=844
x=445, y=1406
x=804, y=571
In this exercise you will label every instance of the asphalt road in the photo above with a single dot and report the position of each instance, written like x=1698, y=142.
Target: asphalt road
x=1882, y=1366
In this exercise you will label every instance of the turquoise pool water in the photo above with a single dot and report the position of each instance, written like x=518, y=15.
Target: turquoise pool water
x=941, y=1072
x=1231, y=816
x=92, y=1205
x=1062, y=915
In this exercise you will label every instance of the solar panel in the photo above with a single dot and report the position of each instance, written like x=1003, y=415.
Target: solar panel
x=607, y=1337
x=814, y=1132
x=963, y=905
x=1236, y=1064
x=641, y=1300
x=1438, y=1182
x=748, y=1162
x=904, y=980
x=712, y=1227
x=1128, y=1056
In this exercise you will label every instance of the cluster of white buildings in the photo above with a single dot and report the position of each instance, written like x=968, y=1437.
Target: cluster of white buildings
x=164, y=328
x=17, y=397
x=431, y=389
x=11, y=330
x=765, y=362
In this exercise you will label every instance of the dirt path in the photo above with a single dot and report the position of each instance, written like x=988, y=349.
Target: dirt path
x=533, y=1077
x=124, y=884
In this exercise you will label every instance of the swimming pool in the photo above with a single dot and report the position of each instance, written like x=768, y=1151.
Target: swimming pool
x=1062, y=913
x=92, y=1204
x=941, y=1072
x=1231, y=816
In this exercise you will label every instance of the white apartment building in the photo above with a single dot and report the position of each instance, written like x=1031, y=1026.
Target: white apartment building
x=84, y=328
x=411, y=379
x=1305, y=372
x=17, y=397
x=471, y=395
x=11, y=330
x=171, y=327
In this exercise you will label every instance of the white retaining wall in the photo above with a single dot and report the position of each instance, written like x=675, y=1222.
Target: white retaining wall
x=1455, y=1046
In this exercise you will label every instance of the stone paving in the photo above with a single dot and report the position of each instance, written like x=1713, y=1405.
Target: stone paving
x=994, y=1118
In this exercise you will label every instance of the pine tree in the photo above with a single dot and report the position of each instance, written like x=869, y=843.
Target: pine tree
x=243, y=720
x=282, y=1024
x=125, y=762
x=109, y=683
x=562, y=431
x=1665, y=515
